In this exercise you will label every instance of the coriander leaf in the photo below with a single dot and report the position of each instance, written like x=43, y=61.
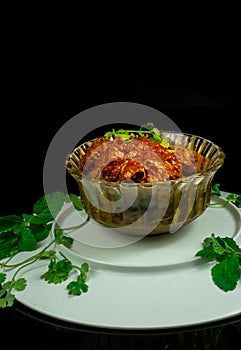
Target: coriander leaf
x=5, y=287
x=77, y=287
x=235, y=199
x=231, y=197
x=216, y=190
x=238, y=201
x=61, y=239
x=155, y=131
x=9, y=222
x=226, y=274
x=46, y=254
x=121, y=131
x=74, y=288
x=84, y=267
x=66, y=241
x=22, y=234
x=147, y=126
x=83, y=276
x=20, y=284
x=108, y=134
x=124, y=137
x=58, y=233
x=57, y=271
x=156, y=138
x=7, y=299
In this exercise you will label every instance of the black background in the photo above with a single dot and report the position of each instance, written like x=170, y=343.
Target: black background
x=33, y=111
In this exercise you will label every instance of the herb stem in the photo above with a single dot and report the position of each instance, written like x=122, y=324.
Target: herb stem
x=28, y=260
x=23, y=266
x=140, y=131
x=220, y=203
x=74, y=266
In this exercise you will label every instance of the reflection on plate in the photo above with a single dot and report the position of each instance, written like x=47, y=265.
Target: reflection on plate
x=155, y=283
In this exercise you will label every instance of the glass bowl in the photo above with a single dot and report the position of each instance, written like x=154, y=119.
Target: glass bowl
x=150, y=208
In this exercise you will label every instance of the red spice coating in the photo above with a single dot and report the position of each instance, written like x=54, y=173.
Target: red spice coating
x=139, y=159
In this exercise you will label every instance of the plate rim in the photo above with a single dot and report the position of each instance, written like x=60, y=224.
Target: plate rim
x=203, y=269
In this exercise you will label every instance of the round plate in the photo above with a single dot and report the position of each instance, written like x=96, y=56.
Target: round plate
x=155, y=283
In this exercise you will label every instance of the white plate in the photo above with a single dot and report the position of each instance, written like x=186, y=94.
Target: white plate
x=155, y=283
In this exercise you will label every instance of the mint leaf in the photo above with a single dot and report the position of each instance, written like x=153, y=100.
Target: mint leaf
x=23, y=233
x=9, y=222
x=2, y=277
x=217, y=245
x=230, y=244
x=38, y=219
x=40, y=232
x=27, y=241
x=8, y=244
x=49, y=204
x=76, y=201
x=207, y=253
x=226, y=274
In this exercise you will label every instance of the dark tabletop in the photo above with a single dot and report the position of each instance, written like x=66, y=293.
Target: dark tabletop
x=31, y=114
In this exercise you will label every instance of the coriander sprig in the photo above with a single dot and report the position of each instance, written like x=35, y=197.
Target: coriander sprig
x=23, y=234
x=230, y=198
x=148, y=128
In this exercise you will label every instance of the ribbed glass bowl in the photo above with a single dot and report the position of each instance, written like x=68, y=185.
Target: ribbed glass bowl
x=156, y=208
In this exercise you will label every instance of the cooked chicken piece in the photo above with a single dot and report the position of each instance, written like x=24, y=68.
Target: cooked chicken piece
x=139, y=159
